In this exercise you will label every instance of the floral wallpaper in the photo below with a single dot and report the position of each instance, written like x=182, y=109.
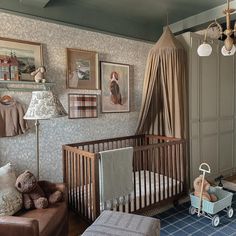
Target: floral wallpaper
x=20, y=150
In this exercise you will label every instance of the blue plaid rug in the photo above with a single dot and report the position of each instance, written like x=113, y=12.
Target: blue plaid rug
x=177, y=221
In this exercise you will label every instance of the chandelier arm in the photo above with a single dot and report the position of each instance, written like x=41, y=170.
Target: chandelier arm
x=215, y=23
x=228, y=49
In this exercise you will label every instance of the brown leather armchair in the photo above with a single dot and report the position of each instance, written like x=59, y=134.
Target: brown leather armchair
x=52, y=221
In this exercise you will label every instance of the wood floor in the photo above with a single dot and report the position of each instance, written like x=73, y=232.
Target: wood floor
x=76, y=225
x=230, y=183
x=231, y=179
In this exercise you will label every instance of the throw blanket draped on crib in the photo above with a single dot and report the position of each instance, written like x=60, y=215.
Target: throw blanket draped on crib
x=115, y=174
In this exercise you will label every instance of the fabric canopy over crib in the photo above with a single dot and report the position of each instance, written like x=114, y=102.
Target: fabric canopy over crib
x=163, y=108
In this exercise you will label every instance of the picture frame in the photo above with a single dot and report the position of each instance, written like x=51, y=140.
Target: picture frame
x=82, y=106
x=19, y=58
x=82, y=69
x=115, y=83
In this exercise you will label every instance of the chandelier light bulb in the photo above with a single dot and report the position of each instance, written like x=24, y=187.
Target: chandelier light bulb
x=225, y=52
x=204, y=50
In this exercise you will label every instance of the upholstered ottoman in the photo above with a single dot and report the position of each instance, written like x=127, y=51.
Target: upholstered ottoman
x=123, y=224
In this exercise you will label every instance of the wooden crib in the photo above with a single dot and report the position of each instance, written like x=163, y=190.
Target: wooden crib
x=159, y=173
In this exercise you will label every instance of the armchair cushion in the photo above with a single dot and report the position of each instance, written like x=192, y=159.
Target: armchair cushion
x=49, y=219
x=10, y=198
x=38, y=222
x=14, y=226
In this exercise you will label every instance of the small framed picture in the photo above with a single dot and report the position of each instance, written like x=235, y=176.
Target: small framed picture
x=18, y=59
x=82, y=69
x=115, y=87
x=82, y=106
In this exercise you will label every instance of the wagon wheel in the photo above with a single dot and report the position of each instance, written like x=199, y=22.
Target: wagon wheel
x=192, y=210
x=230, y=212
x=215, y=221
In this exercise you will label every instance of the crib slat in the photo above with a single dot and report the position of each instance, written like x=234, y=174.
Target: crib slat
x=145, y=188
x=178, y=162
x=86, y=184
x=64, y=165
x=90, y=189
x=176, y=170
x=73, y=180
x=70, y=182
x=82, y=178
x=139, y=177
x=134, y=176
x=149, y=156
x=181, y=166
x=145, y=176
x=164, y=172
x=155, y=154
x=185, y=170
x=65, y=171
x=171, y=171
x=167, y=170
x=159, y=174
x=80, y=182
x=69, y=178
x=76, y=182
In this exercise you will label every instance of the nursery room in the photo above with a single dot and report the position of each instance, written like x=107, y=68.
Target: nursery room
x=117, y=117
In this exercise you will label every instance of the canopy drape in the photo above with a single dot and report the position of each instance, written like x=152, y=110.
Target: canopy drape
x=164, y=99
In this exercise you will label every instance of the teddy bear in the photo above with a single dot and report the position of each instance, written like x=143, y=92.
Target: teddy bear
x=38, y=74
x=206, y=186
x=36, y=194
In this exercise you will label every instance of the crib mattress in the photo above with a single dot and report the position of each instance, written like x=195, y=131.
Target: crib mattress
x=158, y=187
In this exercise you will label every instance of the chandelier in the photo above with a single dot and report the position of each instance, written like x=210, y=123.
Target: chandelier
x=228, y=49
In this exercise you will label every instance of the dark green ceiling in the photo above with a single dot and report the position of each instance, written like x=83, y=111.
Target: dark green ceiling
x=140, y=19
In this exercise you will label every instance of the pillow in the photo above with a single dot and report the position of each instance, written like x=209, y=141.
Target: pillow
x=10, y=198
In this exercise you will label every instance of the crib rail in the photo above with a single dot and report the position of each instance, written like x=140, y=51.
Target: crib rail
x=159, y=175
x=112, y=143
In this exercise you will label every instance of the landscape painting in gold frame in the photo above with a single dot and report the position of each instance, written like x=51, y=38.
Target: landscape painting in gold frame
x=18, y=59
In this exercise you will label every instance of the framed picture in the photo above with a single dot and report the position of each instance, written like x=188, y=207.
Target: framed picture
x=19, y=58
x=115, y=87
x=82, y=106
x=82, y=69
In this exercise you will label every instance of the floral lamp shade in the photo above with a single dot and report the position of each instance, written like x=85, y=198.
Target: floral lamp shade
x=44, y=105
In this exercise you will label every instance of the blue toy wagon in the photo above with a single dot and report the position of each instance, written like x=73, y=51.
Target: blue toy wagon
x=210, y=209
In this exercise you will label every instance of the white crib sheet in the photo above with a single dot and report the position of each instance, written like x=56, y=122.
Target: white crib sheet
x=161, y=190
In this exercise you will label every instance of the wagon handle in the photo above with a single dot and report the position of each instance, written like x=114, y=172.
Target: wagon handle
x=208, y=170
